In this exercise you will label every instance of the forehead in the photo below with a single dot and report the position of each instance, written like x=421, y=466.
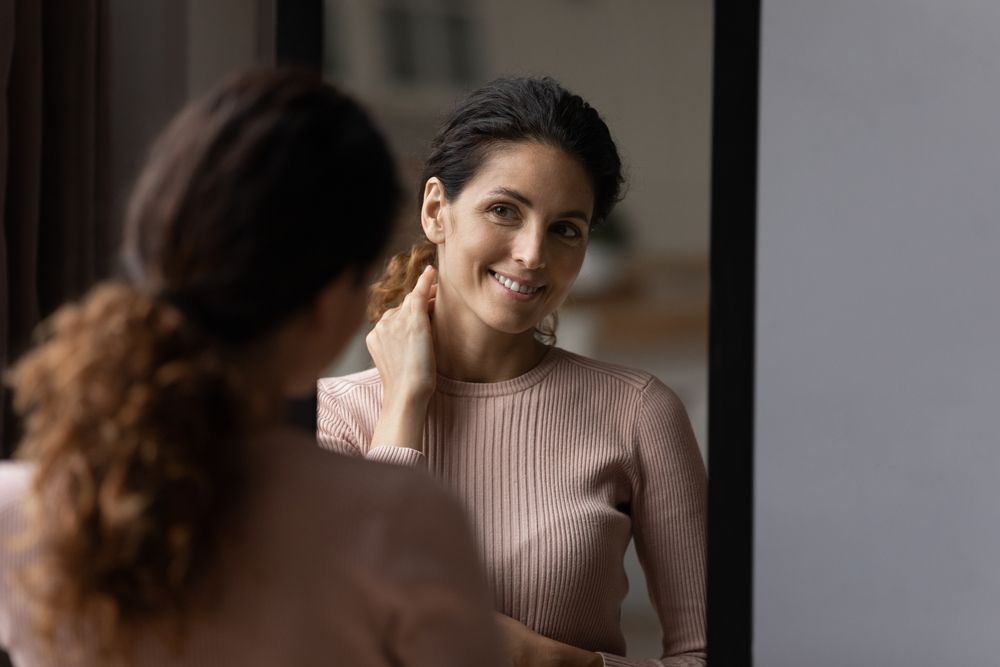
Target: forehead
x=545, y=174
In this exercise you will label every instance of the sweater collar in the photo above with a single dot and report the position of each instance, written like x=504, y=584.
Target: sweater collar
x=452, y=387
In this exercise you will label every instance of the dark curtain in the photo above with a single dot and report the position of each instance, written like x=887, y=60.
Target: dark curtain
x=54, y=177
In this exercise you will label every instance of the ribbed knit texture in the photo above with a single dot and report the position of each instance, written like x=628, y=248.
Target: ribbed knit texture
x=558, y=469
x=339, y=562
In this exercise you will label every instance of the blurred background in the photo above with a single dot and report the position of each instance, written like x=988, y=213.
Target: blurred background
x=90, y=83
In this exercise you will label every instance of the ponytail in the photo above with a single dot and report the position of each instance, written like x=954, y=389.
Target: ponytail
x=135, y=422
x=399, y=278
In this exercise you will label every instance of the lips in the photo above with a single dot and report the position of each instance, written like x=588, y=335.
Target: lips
x=515, y=286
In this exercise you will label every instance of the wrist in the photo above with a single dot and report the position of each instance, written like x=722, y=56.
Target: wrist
x=401, y=422
x=581, y=657
x=407, y=402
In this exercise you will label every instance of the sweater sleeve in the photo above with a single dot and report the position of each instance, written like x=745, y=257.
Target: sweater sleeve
x=668, y=515
x=443, y=615
x=14, y=486
x=336, y=431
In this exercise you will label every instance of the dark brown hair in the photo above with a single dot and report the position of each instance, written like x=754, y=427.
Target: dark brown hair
x=137, y=400
x=506, y=110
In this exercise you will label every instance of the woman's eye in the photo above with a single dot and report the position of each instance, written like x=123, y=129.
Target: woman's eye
x=566, y=230
x=502, y=211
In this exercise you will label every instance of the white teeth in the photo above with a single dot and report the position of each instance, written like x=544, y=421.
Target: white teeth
x=513, y=285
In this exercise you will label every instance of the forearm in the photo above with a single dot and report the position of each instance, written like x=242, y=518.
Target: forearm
x=688, y=660
x=571, y=656
x=527, y=648
x=401, y=423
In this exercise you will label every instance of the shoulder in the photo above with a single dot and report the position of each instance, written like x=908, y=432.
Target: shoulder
x=645, y=387
x=659, y=397
x=363, y=381
x=15, y=482
x=347, y=407
x=15, y=485
x=584, y=368
x=325, y=479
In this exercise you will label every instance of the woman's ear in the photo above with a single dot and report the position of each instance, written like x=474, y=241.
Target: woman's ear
x=432, y=210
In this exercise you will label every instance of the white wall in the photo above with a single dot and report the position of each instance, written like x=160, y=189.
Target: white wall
x=878, y=360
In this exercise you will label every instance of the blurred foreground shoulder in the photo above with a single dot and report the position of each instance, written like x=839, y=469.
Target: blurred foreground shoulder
x=443, y=616
x=15, y=482
x=421, y=554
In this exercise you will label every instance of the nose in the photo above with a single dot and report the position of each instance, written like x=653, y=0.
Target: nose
x=529, y=247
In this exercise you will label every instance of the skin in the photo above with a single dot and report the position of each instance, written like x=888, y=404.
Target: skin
x=526, y=216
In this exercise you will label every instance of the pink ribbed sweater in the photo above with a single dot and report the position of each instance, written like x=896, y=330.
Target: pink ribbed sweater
x=337, y=562
x=558, y=469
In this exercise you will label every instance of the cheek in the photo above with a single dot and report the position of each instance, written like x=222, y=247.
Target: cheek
x=569, y=267
x=471, y=252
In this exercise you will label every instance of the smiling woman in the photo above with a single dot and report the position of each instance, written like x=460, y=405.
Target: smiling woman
x=559, y=460
x=511, y=243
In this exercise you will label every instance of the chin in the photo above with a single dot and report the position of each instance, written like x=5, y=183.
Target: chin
x=507, y=326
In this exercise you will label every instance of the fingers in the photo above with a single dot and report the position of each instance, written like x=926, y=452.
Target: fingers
x=372, y=343
x=401, y=342
x=424, y=283
x=431, y=301
x=420, y=298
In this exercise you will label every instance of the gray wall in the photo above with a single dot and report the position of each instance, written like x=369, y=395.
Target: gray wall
x=163, y=52
x=877, y=497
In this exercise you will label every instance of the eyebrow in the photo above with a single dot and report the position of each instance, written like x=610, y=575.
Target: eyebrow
x=514, y=194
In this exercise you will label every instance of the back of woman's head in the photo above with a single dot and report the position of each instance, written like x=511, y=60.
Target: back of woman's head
x=138, y=400
x=512, y=109
x=256, y=197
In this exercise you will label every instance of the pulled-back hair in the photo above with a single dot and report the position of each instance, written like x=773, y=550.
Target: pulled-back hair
x=514, y=109
x=138, y=401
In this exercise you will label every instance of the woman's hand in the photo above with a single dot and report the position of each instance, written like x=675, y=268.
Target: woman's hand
x=402, y=347
x=527, y=648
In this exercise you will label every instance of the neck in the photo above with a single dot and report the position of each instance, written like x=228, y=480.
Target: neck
x=472, y=352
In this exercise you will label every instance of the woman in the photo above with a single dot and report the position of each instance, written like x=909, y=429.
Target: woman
x=163, y=515
x=560, y=460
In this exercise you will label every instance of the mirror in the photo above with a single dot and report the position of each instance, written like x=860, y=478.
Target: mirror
x=641, y=299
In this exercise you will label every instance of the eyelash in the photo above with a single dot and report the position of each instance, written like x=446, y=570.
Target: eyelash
x=510, y=211
x=566, y=226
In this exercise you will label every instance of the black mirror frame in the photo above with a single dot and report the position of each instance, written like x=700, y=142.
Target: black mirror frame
x=732, y=332
x=298, y=28
x=298, y=33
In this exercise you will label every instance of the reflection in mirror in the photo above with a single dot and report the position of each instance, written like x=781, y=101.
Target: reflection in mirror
x=640, y=299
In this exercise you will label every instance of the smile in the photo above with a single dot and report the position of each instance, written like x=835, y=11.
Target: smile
x=513, y=285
